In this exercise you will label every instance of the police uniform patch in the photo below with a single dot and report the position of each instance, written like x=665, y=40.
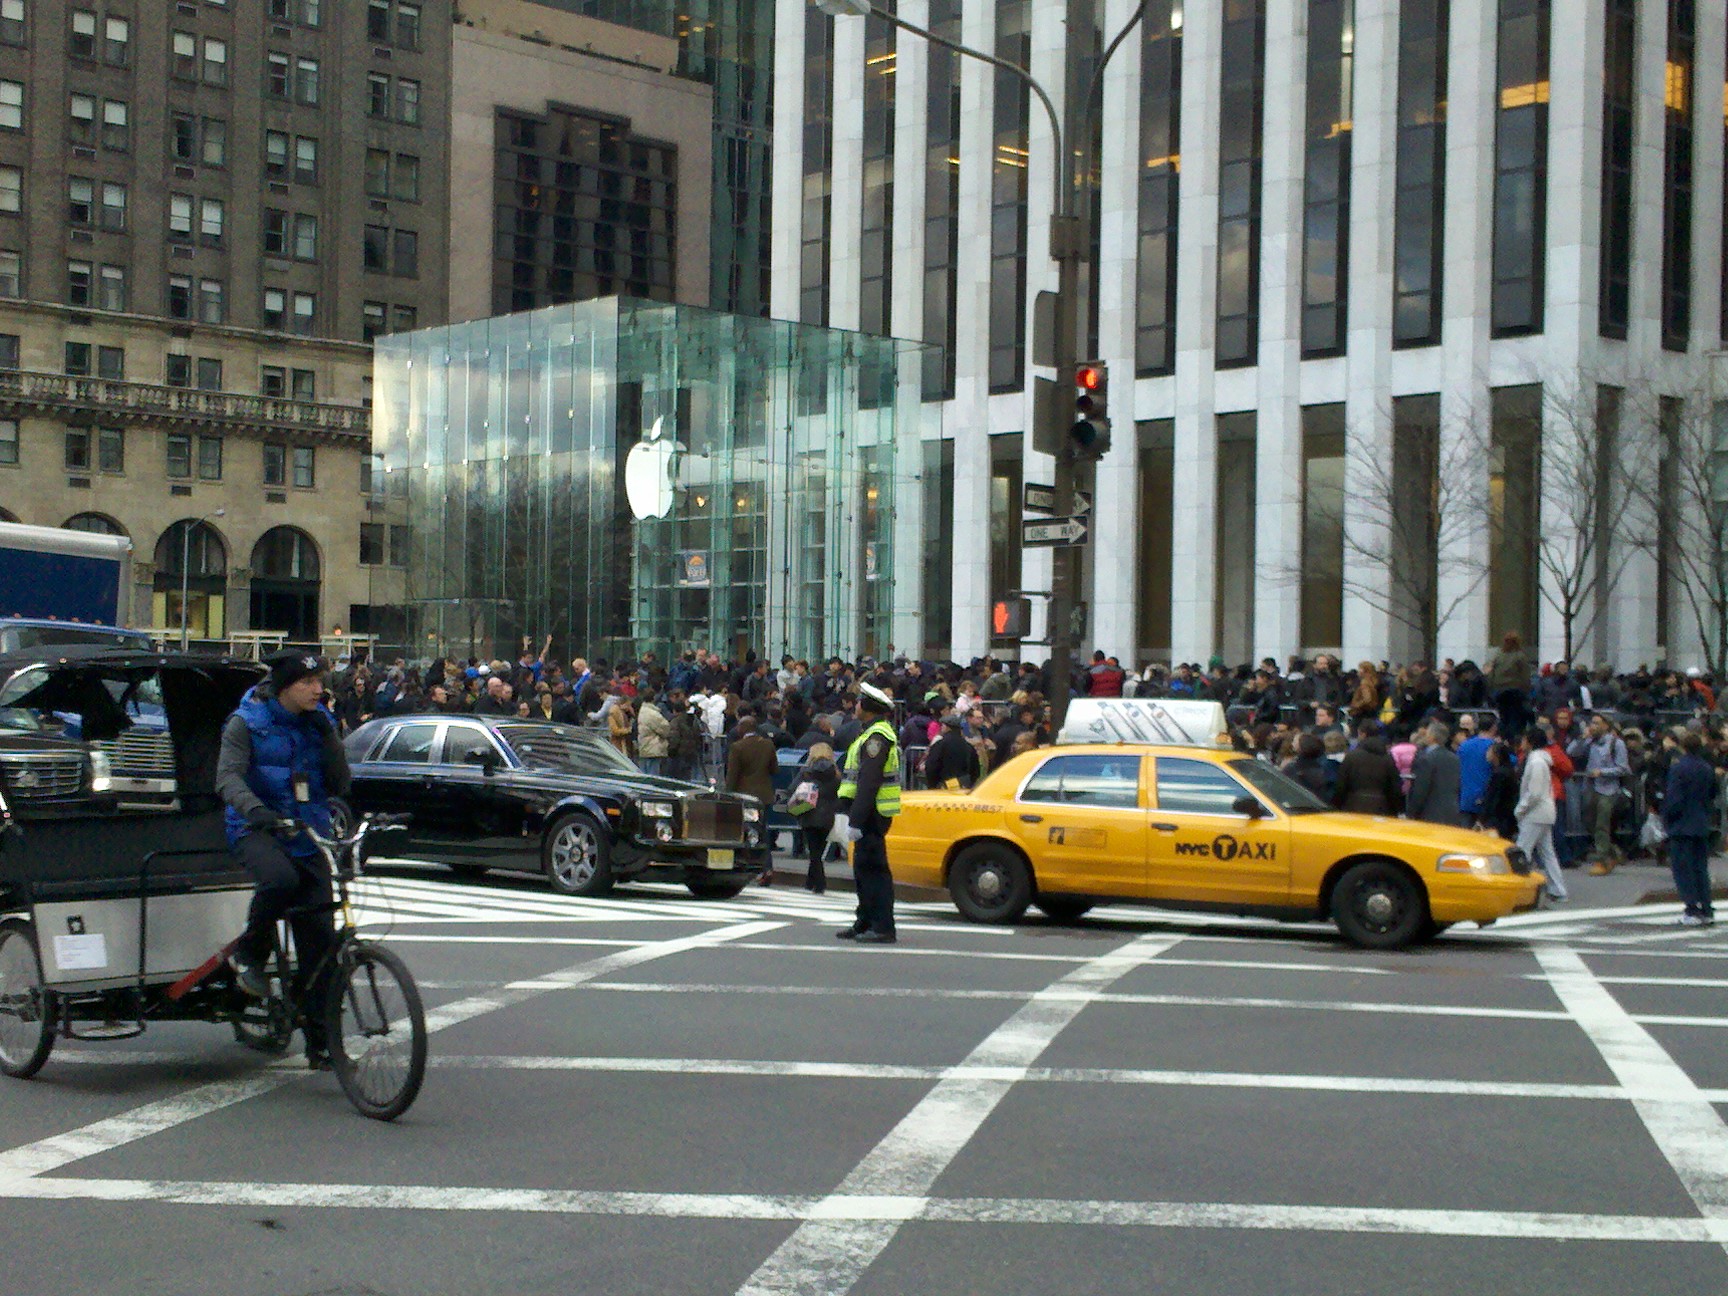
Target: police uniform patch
x=873, y=748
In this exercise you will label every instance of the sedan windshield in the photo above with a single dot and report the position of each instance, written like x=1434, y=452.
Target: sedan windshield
x=1277, y=787
x=564, y=748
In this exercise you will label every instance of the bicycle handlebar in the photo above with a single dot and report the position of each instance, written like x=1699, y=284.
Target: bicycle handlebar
x=368, y=823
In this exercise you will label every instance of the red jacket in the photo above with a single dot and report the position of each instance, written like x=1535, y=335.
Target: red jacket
x=1105, y=680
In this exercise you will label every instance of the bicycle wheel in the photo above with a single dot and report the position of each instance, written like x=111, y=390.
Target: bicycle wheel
x=26, y=1026
x=377, y=1030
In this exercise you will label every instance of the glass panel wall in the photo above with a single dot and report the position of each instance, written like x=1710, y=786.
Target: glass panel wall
x=626, y=475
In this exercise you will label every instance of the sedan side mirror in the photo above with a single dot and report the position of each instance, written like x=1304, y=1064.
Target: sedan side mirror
x=1250, y=806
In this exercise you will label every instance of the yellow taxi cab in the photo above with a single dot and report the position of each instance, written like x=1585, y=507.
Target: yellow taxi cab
x=1066, y=828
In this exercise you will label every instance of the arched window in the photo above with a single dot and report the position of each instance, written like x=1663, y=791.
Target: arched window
x=94, y=523
x=285, y=584
x=192, y=561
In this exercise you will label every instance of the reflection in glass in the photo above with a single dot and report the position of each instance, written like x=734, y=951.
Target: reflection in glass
x=1521, y=168
x=1160, y=186
x=1240, y=140
x=1419, y=217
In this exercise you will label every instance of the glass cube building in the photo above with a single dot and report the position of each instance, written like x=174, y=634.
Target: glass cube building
x=626, y=475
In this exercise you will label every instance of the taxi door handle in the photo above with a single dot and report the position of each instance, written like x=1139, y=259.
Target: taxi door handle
x=1031, y=818
x=1161, y=827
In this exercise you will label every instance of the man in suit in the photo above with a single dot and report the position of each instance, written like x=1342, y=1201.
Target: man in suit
x=1688, y=807
x=750, y=766
x=1434, y=778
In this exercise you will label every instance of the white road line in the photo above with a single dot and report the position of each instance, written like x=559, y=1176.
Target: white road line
x=885, y=1213
x=128, y=1127
x=999, y=956
x=1685, y=1127
x=1545, y=917
x=827, y=1255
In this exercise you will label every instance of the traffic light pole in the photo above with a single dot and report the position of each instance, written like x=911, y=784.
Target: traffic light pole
x=1070, y=247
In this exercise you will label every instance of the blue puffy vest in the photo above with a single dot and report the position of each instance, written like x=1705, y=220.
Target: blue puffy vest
x=283, y=745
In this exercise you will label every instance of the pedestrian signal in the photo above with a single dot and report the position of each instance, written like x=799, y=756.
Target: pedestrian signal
x=1011, y=618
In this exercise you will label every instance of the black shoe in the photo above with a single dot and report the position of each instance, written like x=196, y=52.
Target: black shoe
x=876, y=938
x=848, y=933
x=318, y=1059
x=250, y=977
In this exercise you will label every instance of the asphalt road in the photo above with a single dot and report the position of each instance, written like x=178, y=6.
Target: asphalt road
x=652, y=1094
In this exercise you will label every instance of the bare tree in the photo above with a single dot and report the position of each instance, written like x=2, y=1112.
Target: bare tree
x=1592, y=468
x=1687, y=498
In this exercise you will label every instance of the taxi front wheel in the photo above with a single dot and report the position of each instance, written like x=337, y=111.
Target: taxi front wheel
x=1378, y=905
x=990, y=883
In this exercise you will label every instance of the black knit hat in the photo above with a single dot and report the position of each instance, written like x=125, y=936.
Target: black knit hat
x=288, y=667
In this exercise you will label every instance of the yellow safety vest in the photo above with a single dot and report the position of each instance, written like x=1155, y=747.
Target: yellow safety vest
x=888, y=795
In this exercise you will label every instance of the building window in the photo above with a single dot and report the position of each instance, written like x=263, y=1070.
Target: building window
x=941, y=203
x=179, y=370
x=406, y=186
x=111, y=285
x=209, y=373
x=378, y=95
x=1326, y=182
x=211, y=214
x=77, y=455
x=1008, y=192
x=275, y=232
x=1521, y=168
x=179, y=455
x=375, y=248
x=1619, y=96
x=214, y=150
x=1160, y=188
x=816, y=217
x=179, y=297
x=378, y=172
x=113, y=206
x=405, y=254
x=276, y=75
x=275, y=464
x=305, y=159
x=180, y=218
x=378, y=20
x=304, y=385
x=305, y=461
x=12, y=20
x=273, y=381
x=11, y=273
x=407, y=25
x=404, y=319
x=111, y=363
x=11, y=105
x=372, y=544
x=212, y=308
x=1514, y=508
x=116, y=125
x=209, y=458
x=80, y=283
x=1240, y=143
x=111, y=450
x=1677, y=192
x=116, y=42
x=276, y=145
x=8, y=350
x=305, y=313
x=80, y=200
x=275, y=309
x=82, y=42
x=182, y=136
x=77, y=356
x=407, y=101
x=306, y=82
x=876, y=250
x=81, y=119
x=11, y=189
x=215, y=62
x=8, y=441
x=371, y=320
x=183, y=56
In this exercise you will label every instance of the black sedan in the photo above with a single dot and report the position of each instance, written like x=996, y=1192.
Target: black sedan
x=526, y=796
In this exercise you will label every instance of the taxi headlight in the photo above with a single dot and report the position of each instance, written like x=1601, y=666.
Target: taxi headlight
x=101, y=772
x=657, y=809
x=1481, y=865
x=752, y=814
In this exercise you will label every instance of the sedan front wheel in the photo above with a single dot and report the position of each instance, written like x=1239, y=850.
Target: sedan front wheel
x=578, y=857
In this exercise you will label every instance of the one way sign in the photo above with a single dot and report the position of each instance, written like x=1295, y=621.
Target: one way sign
x=1057, y=531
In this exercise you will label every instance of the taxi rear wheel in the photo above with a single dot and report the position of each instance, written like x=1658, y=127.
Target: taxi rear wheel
x=1378, y=905
x=990, y=883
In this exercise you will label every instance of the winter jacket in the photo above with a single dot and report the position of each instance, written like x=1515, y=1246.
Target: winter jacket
x=1434, y=787
x=1536, y=790
x=653, y=734
x=1368, y=781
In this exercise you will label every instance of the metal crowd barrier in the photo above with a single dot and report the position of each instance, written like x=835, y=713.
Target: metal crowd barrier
x=1576, y=813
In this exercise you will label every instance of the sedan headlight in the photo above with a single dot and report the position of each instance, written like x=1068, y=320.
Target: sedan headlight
x=752, y=814
x=1481, y=865
x=657, y=810
x=101, y=772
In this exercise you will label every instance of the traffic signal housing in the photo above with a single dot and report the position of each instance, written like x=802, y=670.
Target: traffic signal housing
x=1089, y=437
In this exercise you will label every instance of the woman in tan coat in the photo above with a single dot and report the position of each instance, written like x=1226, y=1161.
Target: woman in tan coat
x=620, y=721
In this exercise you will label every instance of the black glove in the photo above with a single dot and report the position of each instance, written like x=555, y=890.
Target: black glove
x=261, y=818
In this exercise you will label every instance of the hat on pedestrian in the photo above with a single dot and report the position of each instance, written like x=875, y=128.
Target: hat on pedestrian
x=874, y=698
x=287, y=668
x=950, y=721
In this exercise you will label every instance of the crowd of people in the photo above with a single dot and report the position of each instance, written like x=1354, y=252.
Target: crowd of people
x=1573, y=763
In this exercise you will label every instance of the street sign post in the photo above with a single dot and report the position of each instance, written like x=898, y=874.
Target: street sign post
x=1042, y=499
x=1057, y=532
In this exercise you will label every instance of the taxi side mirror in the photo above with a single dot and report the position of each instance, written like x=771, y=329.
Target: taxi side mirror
x=1250, y=806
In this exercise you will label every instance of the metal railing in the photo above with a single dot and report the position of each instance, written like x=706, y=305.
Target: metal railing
x=106, y=398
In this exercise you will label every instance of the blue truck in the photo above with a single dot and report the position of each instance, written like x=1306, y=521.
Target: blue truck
x=55, y=576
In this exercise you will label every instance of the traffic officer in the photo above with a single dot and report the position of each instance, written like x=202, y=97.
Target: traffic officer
x=869, y=799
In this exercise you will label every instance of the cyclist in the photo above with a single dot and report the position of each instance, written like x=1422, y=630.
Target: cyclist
x=282, y=759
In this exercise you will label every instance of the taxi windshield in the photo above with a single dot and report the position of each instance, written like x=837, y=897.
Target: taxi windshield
x=1277, y=787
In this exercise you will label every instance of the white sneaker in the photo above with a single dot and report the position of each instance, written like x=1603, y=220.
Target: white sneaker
x=1694, y=920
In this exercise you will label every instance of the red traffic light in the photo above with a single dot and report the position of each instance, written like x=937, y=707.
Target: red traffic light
x=1089, y=377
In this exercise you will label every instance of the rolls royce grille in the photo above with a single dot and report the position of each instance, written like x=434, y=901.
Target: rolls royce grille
x=710, y=820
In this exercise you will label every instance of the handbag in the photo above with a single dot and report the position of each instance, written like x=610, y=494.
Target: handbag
x=803, y=798
x=1652, y=834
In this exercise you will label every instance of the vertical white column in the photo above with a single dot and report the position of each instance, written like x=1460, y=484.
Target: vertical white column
x=846, y=223
x=1368, y=363
x=1274, y=550
x=1572, y=278
x=1116, y=513
x=1464, y=405
x=1193, y=551
x=788, y=181
x=911, y=76
x=968, y=410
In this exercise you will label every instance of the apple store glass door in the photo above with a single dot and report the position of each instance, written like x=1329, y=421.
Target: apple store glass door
x=626, y=475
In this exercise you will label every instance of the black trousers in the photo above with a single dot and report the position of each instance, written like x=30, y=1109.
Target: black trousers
x=285, y=884
x=815, y=847
x=875, y=884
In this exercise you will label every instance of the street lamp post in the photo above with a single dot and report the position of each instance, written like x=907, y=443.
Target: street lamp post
x=186, y=568
x=1070, y=248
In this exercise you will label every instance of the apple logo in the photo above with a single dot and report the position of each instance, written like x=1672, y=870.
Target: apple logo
x=648, y=474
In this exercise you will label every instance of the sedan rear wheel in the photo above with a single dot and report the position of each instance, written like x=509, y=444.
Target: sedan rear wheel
x=1378, y=905
x=578, y=857
x=990, y=883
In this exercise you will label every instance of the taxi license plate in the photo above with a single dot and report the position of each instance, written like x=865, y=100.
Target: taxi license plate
x=720, y=859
